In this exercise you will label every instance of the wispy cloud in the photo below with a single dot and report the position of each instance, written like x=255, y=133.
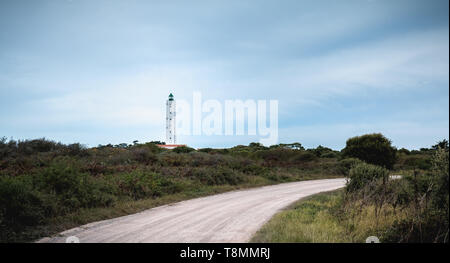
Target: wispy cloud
x=99, y=71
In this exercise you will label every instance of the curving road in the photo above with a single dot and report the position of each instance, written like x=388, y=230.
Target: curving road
x=228, y=217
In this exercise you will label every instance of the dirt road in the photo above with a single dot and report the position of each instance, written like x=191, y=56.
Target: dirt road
x=228, y=217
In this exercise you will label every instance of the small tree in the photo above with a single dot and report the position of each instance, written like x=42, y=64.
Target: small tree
x=442, y=144
x=371, y=148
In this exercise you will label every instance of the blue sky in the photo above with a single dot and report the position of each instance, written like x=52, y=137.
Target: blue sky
x=99, y=72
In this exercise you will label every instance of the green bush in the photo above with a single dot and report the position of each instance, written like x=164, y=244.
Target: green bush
x=76, y=149
x=201, y=159
x=37, y=145
x=206, y=150
x=275, y=154
x=320, y=150
x=362, y=174
x=20, y=205
x=253, y=169
x=371, y=148
x=72, y=188
x=183, y=149
x=119, y=157
x=218, y=176
x=137, y=185
x=173, y=159
x=415, y=162
x=440, y=179
x=404, y=151
x=329, y=155
x=344, y=165
x=143, y=184
x=303, y=156
x=153, y=147
x=144, y=155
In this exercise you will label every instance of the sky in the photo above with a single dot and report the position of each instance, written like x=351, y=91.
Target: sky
x=99, y=72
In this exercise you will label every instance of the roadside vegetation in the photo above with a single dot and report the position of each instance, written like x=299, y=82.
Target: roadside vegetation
x=413, y=208
x=47, y=187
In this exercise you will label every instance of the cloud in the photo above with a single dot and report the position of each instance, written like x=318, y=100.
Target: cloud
x=104, y=69
x=397, y=63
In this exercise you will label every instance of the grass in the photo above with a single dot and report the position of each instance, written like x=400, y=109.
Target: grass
x=306, y=221
x=319, y=219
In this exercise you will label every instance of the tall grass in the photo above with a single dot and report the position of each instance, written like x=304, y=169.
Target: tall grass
x=307, y=221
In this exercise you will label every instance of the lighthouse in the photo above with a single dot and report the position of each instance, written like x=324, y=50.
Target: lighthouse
x=170, y=120
x=171, y=136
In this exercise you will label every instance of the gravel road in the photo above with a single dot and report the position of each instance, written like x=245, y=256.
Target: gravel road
x=229, y=217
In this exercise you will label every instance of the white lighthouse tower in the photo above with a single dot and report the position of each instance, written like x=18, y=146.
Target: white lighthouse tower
x=170, y=120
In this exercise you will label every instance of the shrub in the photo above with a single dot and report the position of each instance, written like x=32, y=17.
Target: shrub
x=275, y=154
x=329, y=155
x=254, y=169
x=217, y=176
x=371, y=148
x=172, y=159
x=344, y=165
x=412, y=162
x=72, y=188
x=6, y=148
x=256, y=146
x=37, y=145
x=119, y=156
x=144, y=155
x=303, y=156
x=137, y=185
x=404, y=151
x=76, y=149
x=441, y=145
x=153, y=147
x=143, y=184
x=20, y=205
x=96, y=168
x=362, y=174
x=206, y=150
x=183, y=149
x=293, y=146
x=200, y=158
x=429, y=194
x=440, y=177
x=320, y=150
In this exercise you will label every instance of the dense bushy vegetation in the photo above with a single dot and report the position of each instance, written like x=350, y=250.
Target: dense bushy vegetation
x=42, y=180
x=410, y=204
x=413, y=208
